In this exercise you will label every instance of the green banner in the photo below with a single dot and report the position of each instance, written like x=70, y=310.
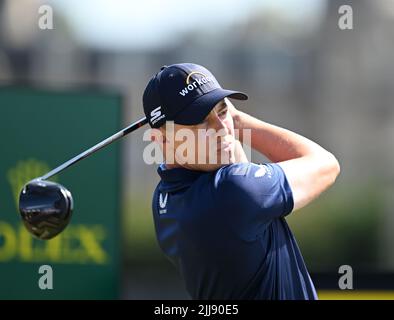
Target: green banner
x=39, y=131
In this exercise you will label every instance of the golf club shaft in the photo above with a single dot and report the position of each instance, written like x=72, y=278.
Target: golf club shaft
x=134, y=126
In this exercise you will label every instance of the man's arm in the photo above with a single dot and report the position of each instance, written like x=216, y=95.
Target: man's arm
x=309, y=168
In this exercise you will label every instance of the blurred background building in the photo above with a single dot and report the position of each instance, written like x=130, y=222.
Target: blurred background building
x=300, y=71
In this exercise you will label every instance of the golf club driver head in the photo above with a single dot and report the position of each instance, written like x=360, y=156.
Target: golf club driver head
x=45, y=207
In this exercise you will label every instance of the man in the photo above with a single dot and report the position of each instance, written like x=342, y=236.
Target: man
x=222, y=223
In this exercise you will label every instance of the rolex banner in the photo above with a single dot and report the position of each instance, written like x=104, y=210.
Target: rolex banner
x=39, y=131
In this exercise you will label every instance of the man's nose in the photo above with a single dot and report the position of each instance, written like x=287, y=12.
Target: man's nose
x=220, y=125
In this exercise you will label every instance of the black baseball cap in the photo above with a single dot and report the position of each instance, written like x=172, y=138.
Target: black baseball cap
x=184, y=93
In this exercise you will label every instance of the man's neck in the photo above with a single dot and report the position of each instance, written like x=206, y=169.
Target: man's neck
x=172, y=166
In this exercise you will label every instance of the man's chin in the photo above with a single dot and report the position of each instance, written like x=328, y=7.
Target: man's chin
x=208, y=167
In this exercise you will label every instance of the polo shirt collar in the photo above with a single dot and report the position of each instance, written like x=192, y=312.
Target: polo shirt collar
x=177, y=174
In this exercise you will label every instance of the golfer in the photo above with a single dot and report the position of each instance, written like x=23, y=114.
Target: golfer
x=218, y=217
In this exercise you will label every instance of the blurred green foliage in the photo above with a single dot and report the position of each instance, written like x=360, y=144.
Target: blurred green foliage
x=340, y=227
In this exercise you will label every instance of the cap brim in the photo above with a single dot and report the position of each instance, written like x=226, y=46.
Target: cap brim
x=196, y=112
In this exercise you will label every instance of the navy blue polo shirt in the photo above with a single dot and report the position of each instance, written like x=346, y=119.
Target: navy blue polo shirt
x=226, y=233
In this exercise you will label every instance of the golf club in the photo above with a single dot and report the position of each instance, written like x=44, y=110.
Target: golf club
x=46, y=207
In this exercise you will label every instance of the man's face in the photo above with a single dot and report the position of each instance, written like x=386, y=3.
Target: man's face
x=206, y=146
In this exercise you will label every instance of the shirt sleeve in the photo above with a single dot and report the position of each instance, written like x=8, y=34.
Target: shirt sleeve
x=252, y=195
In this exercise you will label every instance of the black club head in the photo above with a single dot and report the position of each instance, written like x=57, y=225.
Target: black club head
x=45, y=207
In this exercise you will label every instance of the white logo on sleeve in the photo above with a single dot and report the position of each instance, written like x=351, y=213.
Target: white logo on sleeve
x=156, y=115
x=163, y=203
x=260, y=172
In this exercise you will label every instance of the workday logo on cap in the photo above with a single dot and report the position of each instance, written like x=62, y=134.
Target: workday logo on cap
x=190, y=86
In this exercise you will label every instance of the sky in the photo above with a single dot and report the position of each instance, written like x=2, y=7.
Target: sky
x=147, y=24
